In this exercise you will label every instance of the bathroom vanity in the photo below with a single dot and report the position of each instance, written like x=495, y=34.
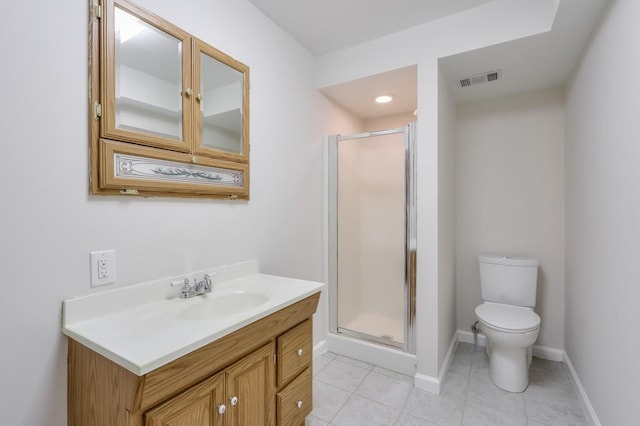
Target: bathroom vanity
x=253, y=367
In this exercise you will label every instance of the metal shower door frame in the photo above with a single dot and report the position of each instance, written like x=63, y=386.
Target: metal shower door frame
x=410, y=237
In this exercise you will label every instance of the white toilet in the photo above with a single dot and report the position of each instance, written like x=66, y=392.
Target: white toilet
x=507, y=319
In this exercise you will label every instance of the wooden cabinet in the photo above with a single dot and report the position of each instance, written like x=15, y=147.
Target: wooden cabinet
x=169, y=114
x=250, y=389
x=258, y=375
x=240, y=395
x=295, y=349
x=200, y=405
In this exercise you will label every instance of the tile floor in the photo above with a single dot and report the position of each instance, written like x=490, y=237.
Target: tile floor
x=348, y=392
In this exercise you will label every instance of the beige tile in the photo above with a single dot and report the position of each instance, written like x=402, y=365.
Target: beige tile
x=486, y=416
x=408, y=420
x=321, y=362
x=354, y=362
x=461, y=364
x=455, y=386
x=314, y=421
x=439, y=409
x=385, y=390
x=361, y=411
x=327, y=400
x=342, y=375
x=352, y=392
x=553, y=407
x=395, y=375
x=484, y=393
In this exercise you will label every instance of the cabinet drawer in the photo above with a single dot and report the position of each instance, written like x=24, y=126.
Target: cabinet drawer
x=295, y=400
x=294, y=351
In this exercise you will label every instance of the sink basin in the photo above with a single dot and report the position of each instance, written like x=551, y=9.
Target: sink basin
x=223, y=305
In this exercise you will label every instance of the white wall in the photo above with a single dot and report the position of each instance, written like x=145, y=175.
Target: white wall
x=510, y=198
x=446, y=220
x=50, y=223
x=603, y=217
x=389, y=122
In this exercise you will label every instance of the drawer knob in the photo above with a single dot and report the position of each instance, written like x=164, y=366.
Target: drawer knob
x=234, y=400
x=300, y=352
x=222, y=408
x=299, y=404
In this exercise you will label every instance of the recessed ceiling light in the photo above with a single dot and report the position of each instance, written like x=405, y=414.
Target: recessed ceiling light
x=383, y=99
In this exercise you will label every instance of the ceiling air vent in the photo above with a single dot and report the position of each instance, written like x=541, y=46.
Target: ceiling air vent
x=480, y=78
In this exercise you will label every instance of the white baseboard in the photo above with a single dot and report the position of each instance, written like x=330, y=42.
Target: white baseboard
x=543, y=352
x=319, y=348
x=433, y=384
x=592, y=418
x=427, y=383
x=468, y=337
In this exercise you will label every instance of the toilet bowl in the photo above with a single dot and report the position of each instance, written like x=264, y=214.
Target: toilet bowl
x=510, y=331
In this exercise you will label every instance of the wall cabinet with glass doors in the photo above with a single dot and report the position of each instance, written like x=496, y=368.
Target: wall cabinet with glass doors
x=169, y=114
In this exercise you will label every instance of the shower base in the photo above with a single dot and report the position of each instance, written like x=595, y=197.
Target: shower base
x=377, y=326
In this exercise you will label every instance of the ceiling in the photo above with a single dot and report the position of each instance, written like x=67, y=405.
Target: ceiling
x=531, y=63
x=327, y=26
x=358, y=96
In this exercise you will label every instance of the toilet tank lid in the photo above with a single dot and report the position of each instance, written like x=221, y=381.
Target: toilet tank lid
x=508, y=260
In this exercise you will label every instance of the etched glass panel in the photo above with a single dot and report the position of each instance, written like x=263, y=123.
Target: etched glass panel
x=143, y=168
x=148, y=78
x=221, y=94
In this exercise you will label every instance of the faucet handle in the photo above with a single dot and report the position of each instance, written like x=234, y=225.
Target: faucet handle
x=207, y=281
x=187, y=289
x=185, y=284
x=205, y=285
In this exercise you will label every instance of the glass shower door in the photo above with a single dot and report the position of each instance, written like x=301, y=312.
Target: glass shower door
x=372, y=291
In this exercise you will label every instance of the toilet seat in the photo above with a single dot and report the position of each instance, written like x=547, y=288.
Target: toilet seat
x=508, y=318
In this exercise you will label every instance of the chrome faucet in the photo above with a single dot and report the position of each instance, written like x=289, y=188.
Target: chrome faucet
x=189, y=290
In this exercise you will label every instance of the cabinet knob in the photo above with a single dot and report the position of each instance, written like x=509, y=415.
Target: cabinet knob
x=234, y=400
x=199, y=96
x=188, y=92
x=299, y=404
x=299, y=352
x=222, y=408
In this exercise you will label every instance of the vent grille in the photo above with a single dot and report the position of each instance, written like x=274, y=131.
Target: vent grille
x=480, y=78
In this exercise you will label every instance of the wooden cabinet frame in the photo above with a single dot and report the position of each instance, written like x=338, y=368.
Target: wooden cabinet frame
x=157, y=165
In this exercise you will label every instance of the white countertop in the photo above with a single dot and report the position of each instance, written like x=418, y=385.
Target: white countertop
x=143, y=327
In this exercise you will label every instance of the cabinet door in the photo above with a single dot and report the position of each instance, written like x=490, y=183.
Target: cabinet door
x=221, y=117
x=251, y=389
x=198, y=405
x=146, y=80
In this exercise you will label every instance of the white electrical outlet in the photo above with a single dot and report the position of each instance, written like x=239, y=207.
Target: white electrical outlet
x=103, y=267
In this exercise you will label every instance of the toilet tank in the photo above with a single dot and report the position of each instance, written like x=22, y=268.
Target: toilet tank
x=510, y=280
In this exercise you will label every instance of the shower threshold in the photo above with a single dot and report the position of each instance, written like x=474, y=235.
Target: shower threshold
x=382, y=340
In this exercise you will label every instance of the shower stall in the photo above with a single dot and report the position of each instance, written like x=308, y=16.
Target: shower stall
x=372, y=247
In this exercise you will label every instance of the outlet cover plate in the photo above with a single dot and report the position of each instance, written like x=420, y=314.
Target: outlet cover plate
x=103, y=267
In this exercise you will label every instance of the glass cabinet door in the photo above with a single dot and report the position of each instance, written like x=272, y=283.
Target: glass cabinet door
x=147, y=85
x=221, y=116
